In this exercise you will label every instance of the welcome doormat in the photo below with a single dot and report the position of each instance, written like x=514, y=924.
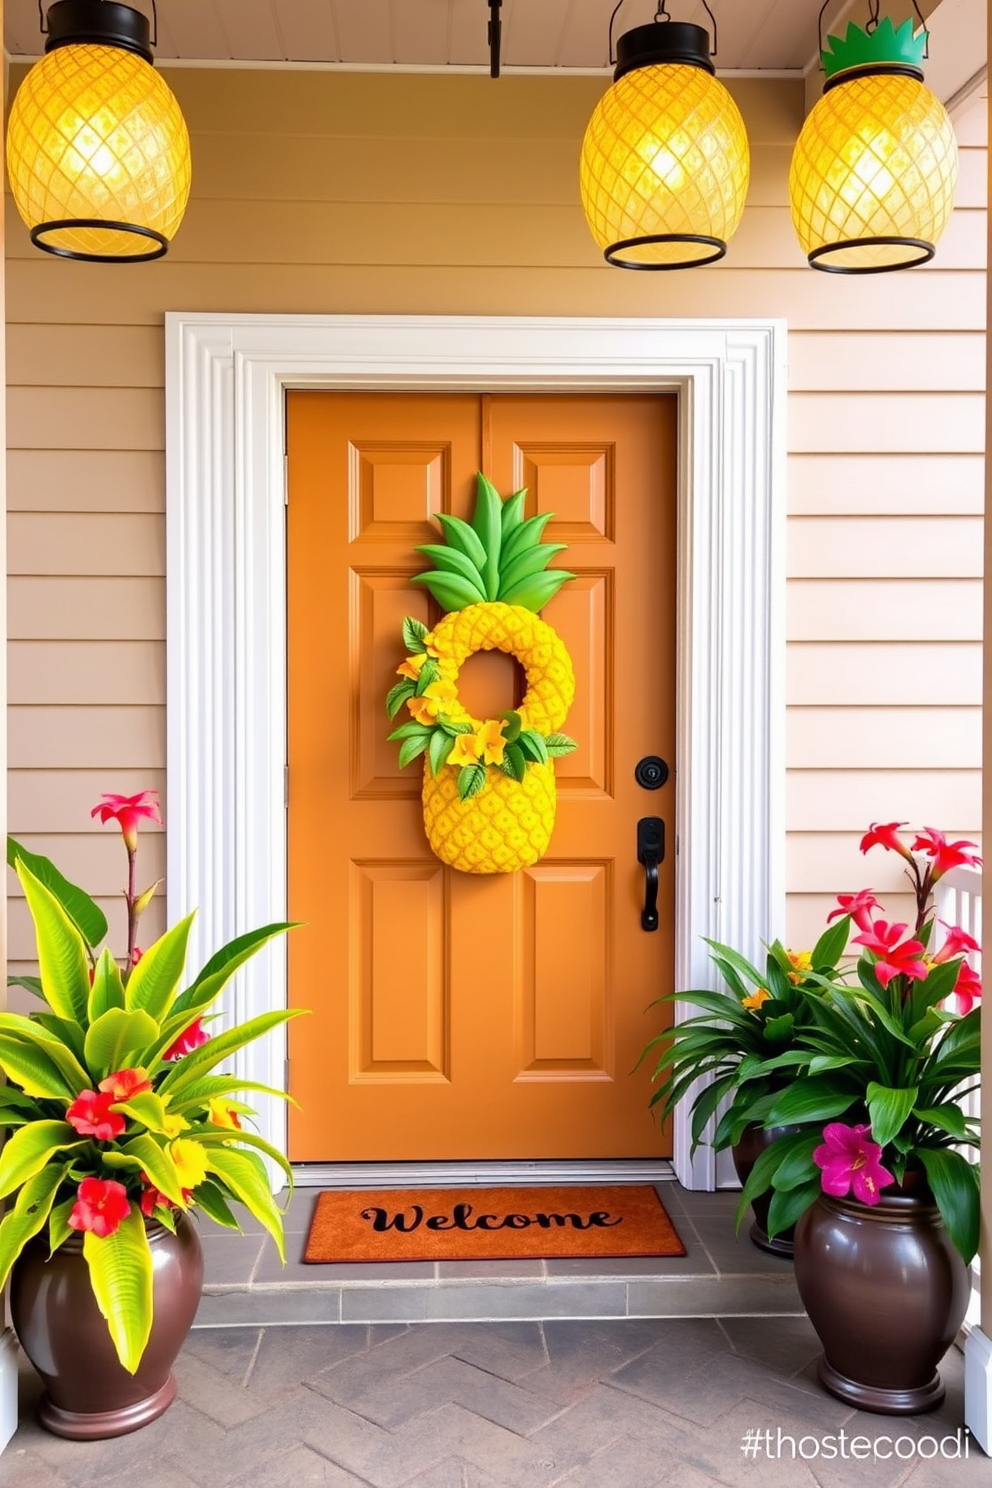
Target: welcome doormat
x=476, y=1224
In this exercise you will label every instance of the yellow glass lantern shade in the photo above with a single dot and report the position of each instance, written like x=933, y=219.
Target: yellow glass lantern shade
x=97, y=137
x=873, y=175
x=664, y=169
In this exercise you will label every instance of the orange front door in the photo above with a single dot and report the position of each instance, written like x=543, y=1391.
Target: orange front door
x=460, y=1016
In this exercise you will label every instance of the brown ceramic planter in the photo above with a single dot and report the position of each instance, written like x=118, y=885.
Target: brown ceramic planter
x=886, y=1291
x=88, y=1394
x=754, y=1140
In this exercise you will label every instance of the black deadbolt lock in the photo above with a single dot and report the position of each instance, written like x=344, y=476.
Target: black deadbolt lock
x=651, y=772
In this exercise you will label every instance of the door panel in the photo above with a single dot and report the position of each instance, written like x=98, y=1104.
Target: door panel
x=456, y=1015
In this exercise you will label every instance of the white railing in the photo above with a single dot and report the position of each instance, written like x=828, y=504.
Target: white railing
x=959, y=902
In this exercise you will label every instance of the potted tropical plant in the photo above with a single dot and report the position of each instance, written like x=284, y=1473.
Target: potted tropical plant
x=743, y=1042
x=119, y=1128
x=876, y=1177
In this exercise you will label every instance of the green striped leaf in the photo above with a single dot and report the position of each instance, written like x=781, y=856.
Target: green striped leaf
x=107, y=990
x=118, y=1040
x=88, y=918
x=151, y=987
x=62, y=959
x=28, y=1216
x=243, y=1176
x=121, y=1278
x=488, y=525
x=31, y=1148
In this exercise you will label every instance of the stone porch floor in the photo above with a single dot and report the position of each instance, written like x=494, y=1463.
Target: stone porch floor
x=271, y=1398
x=721, y=1275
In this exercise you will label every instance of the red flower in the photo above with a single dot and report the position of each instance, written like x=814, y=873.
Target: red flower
x=126, y=1083
x=100, y=1206
x=967, y=989
x=858, y=906
x=957, y=942
x=127, y=811
x=886, y=834
x=894, y=959
x=945, y=854
x=191, y=1038
x=151, y=1197
x=91, y=1115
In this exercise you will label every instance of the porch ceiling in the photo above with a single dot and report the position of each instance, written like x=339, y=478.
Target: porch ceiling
x=561, y=34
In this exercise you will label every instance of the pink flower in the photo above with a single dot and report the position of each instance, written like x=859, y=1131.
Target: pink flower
x=894, y=959
x=191, y=1038
x=968, y=987
x=91, y=1116
x=886, y=834
x=849, y=1160
x=126, y=1083
x=127, y=811
x=858, y=906
x=945, y=854
x=100, y=1206
x=152, y=1198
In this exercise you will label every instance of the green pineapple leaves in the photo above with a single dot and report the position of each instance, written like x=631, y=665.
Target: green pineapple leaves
x=499, y=556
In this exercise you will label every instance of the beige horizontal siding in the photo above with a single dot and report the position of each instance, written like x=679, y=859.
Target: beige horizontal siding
x=855, y=798
x=870, y=483
x=837, y=675
x=72, y=480
x=91, y=609
x=398, y=195
x=824, y=361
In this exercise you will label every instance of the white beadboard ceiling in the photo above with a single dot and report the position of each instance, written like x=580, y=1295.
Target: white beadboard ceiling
x=775, y=35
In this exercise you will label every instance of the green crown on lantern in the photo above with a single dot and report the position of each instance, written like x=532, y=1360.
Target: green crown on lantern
x=884, y=46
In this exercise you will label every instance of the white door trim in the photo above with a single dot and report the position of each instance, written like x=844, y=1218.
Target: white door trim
x=225, y=438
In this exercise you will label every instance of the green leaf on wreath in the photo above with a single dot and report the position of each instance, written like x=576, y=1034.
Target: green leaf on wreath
x=560, y=744
x=410, y=748
x=398, y=695
x=413, y=635
x=438, y=749
x=428, y=673
x=516, y=761
x=533, y=745
x=471, y=780
x=511, y=732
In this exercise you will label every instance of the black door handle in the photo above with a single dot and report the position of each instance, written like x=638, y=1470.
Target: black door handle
x=650, y=852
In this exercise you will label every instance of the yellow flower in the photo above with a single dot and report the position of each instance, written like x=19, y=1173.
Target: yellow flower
x=173, y=1125
x=437, y=698
x=412, y=667
x=427, y=641
x=465, y=751
x=803, y=962
x=221, y=1114
x=190, y=1159
x=758, y=996
x=490, y=741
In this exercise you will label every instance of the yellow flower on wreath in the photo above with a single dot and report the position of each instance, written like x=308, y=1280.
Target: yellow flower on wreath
x=490, y=740
x=412, y=667
x=190, y=1159
x=465, y=750
x=435, y=699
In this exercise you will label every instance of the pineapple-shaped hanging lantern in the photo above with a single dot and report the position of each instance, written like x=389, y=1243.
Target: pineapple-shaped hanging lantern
x=489, y=786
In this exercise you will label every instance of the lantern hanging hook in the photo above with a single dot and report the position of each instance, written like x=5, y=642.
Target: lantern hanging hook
x=661, y=14
x=872, y=23
x=43, y=21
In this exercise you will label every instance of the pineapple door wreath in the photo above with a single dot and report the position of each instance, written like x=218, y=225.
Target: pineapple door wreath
x=489, y=785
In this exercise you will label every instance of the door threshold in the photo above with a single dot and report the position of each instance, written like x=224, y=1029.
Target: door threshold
x=481, y=1174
